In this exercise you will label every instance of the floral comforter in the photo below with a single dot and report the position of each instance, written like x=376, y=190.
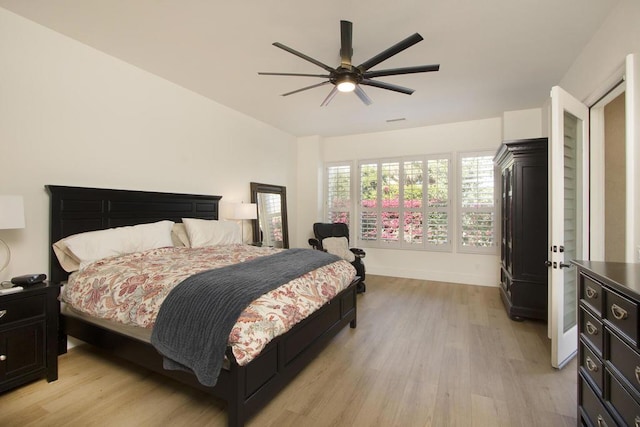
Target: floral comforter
x=129, y=289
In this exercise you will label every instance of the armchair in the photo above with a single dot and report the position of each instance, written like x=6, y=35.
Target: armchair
x=334, y=238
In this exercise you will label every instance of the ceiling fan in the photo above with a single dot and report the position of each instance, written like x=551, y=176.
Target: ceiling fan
x=347, y=78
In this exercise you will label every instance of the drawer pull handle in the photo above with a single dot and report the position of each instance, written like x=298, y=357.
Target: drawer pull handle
x=592, y=367
x=591, y=293
x=3, y=357
x=618, y=312
x=638, y=374
x=2, y=313
x=592, y=330
x=601, y=422
x=637, y=421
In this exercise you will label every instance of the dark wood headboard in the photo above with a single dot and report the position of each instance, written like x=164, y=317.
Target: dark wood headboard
x=78, y=209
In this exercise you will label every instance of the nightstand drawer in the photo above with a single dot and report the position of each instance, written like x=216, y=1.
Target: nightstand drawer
x=591, y=293
x=623, y=315
x=591, y=330
x=23, y=351
x=21, y=308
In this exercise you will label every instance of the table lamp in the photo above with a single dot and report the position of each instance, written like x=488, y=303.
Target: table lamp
x=244, y=211
x=11, y=217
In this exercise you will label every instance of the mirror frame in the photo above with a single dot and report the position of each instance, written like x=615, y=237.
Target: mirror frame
x=256, y=188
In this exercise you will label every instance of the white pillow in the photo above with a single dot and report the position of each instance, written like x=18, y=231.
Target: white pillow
x=204, y=232
x=338, y=246
x=94, y=245
x=179, y=235
x=67, y=259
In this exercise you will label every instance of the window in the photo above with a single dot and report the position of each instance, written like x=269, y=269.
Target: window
x=338, y=191
x=368, y=202
x=438, y=206
x=477, y=207
x=405, y=203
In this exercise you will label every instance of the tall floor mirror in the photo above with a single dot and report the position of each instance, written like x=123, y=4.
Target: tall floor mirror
x=271, y=228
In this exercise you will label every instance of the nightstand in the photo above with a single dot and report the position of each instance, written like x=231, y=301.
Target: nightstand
x=29, y=335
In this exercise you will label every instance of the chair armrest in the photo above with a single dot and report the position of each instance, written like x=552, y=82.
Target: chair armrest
x=358, y=252
x=315, y=243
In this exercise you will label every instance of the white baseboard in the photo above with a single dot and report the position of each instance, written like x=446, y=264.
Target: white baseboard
x=438, y=276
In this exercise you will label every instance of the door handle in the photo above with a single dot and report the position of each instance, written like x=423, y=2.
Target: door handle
x=563, y=265
x=548, y=263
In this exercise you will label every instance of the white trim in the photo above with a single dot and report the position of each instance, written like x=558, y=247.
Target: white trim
x=608, y=84
x=597, y=172
x=632, y=108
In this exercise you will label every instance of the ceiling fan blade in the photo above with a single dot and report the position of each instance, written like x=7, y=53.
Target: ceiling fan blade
x=329, y=97
x=346, y=43
x=393, y=50
x=306, y=88
x=363, y=96
x=405, y=70
x=303, y=56
x=387, y=86
x=326, y=76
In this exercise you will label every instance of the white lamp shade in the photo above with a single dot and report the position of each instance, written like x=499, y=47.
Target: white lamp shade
x=11, y=212
x=245, y=211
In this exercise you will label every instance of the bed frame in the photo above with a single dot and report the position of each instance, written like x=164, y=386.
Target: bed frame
x=245, y=388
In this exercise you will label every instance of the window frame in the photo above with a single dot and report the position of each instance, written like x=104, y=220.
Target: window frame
x=451, y=224
x=349, y=207
x=494, y=210
x=425, y=209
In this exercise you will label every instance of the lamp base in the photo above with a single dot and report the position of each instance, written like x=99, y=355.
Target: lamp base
x=5, y=255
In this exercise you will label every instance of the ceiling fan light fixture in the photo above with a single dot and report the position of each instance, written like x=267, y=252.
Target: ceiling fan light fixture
x=346, y=84
x=349, y=78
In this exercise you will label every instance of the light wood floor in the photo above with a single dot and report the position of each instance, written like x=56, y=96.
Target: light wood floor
x=423, y=354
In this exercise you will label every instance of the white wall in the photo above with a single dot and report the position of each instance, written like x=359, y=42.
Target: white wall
x=600, y=64
x=310, y=202
x=442, y=266
x=522, y=124
x=71, y=115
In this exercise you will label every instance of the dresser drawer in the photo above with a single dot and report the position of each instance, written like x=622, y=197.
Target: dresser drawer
x=624, y=359
x=591, y=294
x=591, y=330
x=21, y=308
x=592, y=406
x=623, y=315
x=591, y=366
x=625, y=405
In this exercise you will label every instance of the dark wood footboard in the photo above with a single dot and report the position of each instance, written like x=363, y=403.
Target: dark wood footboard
x=245, y=388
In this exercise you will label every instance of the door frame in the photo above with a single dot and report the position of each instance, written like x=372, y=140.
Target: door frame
x=625, y=79
x=597, y=173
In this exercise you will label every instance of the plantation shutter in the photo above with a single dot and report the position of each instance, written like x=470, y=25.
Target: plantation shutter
x=477, y=204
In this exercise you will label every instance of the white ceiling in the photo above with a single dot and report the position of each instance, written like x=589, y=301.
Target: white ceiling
x=495, y=55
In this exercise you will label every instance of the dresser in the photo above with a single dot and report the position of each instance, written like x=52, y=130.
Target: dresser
x=523, y=225
x=609, y=343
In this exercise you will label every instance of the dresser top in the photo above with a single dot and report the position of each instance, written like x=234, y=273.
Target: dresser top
x=625, y=277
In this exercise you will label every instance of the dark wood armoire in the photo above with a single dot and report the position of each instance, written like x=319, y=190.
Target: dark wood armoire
x=524, y=227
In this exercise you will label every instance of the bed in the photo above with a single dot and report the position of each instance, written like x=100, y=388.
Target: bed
x=245, y=389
